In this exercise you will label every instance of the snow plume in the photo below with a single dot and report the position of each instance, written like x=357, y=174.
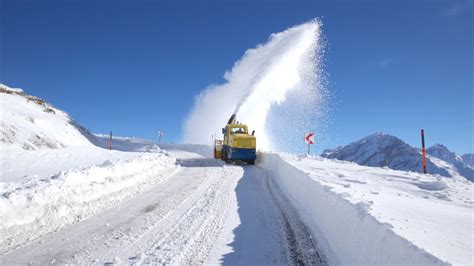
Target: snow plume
x=277, y=89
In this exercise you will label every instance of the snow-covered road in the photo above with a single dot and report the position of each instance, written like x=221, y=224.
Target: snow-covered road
x=207, y=212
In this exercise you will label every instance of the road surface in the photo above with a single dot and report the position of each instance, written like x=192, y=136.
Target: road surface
x=206, y=213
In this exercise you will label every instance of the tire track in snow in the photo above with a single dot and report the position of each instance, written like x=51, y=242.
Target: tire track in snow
x=302, y=247
x=187, y=235
x=114, y=235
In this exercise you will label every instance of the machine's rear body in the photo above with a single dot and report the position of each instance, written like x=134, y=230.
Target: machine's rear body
x=238, y=144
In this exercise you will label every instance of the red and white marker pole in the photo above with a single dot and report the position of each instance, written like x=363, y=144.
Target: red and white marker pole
x=309, y=138
x=423, y=150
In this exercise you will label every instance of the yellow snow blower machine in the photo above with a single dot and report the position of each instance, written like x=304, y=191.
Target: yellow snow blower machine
x=238, y=144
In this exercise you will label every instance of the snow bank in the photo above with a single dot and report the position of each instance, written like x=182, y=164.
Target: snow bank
x=20, y=165
x=349, y=233
x=38, y=206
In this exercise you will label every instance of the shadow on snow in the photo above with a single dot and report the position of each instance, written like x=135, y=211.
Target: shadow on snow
x=256, y=241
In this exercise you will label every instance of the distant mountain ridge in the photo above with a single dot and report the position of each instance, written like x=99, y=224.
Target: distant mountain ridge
x=463, y=164
x=383, y=150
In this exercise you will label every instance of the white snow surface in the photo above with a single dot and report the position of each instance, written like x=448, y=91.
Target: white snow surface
x=29, y=123
x=38, y=140
x=37, y=143
x=379, y=216
x=205, y=212
x=152, y=209
x=53, y=175
x=40, y=205
x=20, y=165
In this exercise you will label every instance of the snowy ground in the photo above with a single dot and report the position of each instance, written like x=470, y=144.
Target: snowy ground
x=390, y=212
x=180, y=207
x=40, y=205
x=203, y=213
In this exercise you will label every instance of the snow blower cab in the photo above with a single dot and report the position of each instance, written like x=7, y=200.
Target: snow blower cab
x=238, y=144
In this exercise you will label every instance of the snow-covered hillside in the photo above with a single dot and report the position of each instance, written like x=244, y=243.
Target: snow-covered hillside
x=29, y=123
x=383, y=150
x=38, y=140
x=54, y=173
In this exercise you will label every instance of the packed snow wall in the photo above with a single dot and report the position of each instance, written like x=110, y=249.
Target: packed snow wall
x=347, y=233
x=277, y=89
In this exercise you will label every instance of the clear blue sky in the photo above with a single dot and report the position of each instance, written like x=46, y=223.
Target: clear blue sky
x=135, y=66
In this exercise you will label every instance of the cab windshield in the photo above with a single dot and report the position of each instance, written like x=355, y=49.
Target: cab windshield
x=241, y=130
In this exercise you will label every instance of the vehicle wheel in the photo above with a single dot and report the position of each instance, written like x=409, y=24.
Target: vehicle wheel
x=226, y=159
x=251, y=162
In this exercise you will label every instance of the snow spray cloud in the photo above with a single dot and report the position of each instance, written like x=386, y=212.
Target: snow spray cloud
x=277, y=89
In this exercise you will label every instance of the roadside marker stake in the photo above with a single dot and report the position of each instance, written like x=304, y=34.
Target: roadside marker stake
x=110, y=141
x=423, y=150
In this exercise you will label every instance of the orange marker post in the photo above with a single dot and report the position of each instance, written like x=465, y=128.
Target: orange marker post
x=423, y=150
